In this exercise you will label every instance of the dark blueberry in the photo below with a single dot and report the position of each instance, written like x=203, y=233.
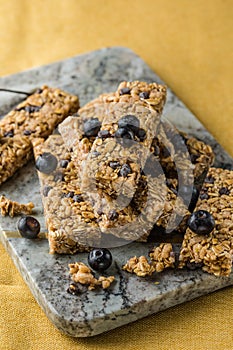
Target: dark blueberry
x=91, y=127
x=27, y=132
x=204, y=195
x=114, y=165
x=194, y=198
x=28, y=227
x=46, y=190
x=78, y=198
x=174, y=190
x=144, y=94
x=103, y=134
x=46, y=163
x=156, y=150
x=129, y=122
x=95, y=154
x=9, y=133
x=125, y=170
x=124, y=91
x=164, y=152
x=100, y=259
x=112, y=215
x=201, y=222
x=209, y=179
x=125, y=137
x=224, y=190
x=32, y=109
x=124, y=134
x=58, y=176
x=141, y=134
x=70, y=194
x=100, y=211
x=63, y=163
x=194, y=158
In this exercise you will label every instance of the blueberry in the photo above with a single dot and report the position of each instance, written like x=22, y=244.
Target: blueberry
x=27, y=132
x=100, y=259
x=130, y=122
x=91, y=127
x=204, y=195
x=224, y=190
x=78, y=198
x=46, y=163
x=46, y=190
x=124, y=133
x=141, y=134
x=125, y=91
x=201, y=222
x=70, y=194
x=194, y=158
x=103, y=134
x=28, y=227
x=114, y=165
x=125, y=170
x=112, y=215
x=63, y=163
x=58, y=176
x=9, y=133
x=144, y=95
x=209, y=179
x=124, y=137
x=32, y=109
x=95, y=154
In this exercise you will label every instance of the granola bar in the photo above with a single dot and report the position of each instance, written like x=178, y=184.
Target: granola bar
x=71, y=221
x=12, y=208
x=72, y=226
x=146, y=100
x=182, y=157
x=36, y=116
x=215, y=251
x=120, y=151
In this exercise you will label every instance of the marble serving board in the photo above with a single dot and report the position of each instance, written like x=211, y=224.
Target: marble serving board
x=130, y=297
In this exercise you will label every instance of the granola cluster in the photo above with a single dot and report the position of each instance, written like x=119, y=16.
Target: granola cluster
x=162, y=257
x=12, y=208
x=80, y=273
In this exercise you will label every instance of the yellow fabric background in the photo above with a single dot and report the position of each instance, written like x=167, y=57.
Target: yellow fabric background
x=189, y=44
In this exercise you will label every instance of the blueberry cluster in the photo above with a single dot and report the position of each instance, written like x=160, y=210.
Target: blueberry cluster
x=129, y=129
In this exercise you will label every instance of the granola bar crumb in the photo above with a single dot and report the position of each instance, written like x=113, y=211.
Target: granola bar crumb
x=80, y=273
x=12, y=208
x=162, y=257
x=140, y=266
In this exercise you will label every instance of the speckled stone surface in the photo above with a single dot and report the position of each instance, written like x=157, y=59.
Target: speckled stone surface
x=130, y=297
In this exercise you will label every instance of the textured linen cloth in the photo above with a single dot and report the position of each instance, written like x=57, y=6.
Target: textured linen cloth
x=189, y=44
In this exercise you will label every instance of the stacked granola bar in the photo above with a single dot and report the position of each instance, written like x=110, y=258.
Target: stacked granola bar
x=120, y=169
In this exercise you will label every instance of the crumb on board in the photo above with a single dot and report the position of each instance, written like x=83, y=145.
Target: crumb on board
x=12, y=208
